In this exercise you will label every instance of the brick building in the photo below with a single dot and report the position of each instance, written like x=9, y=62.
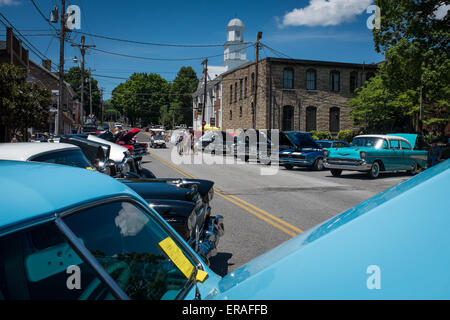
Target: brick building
x=70, y=108
x=292, y=94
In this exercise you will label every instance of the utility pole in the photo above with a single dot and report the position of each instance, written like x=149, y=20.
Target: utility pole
x=90, y=93
x=258, y=38
x=205, y=63
x=101, y=103
x=61, y=67
x=82, y=46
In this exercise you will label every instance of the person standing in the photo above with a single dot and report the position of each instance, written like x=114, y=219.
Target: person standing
x=434, y=155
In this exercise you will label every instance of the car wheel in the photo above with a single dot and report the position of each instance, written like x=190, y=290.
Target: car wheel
x=374, y=170
x=336, y=172
x=288, y=166
x=318, y=164
x=413, y=169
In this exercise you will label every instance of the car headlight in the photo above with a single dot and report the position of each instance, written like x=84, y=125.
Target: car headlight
x=363, y=155
x=326, y=153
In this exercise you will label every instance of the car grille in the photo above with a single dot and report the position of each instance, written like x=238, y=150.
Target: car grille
x=293, y=156
x=344, y=161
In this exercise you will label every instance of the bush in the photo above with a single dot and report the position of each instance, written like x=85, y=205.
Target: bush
x=346, y=135
x=321, y=135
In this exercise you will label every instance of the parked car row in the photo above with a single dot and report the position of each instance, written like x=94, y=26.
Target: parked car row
x=71, y=233
x=184, y=203
x=373, y=154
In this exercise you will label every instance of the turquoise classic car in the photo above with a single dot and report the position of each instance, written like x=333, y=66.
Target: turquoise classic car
x=61, y=240
x=377, y=153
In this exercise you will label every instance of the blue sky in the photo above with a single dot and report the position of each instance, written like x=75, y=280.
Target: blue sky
x=318, y=29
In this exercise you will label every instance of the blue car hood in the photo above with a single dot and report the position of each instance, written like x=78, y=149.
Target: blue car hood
x=397, y=231
x=349, y=152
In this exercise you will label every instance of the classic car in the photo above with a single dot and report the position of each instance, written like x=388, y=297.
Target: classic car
x=125, y=250
x=127, y=139
x=158, y=141
x=126, y=161
x=215, y=142
x=58, y=153
x=377, y=153
x=332, y=144
x=305, y=152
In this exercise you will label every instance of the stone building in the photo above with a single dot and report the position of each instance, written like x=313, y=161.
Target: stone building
x=291, y=94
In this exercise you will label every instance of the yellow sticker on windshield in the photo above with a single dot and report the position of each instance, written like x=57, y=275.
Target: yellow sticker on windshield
x=179, y=259
x=90, y=168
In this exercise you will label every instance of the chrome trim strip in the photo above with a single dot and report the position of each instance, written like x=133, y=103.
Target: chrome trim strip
x=90, y=259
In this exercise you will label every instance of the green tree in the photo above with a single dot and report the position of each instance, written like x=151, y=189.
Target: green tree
x=73, y=77
x=141, y=97
x=22, y=104
x=184, y=86
x=416, y=70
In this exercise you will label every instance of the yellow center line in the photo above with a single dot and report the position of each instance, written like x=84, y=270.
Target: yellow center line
x=263, y=215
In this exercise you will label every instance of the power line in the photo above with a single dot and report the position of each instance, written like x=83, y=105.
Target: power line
x=165, y=59
x=42, y=14
x=150, y=43
x=30, y=46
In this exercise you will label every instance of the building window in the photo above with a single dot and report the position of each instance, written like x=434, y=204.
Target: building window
x=240, y=112
x=335, y=81
x=231, y=115
x=245, y=91
x=335, y=119
x=353, y=81
x=240, y=89
x=253, y=82
x=231, y=94
x=288, y=78
x=311, y=82
x=288, y=118
x=235, y=92
x=311, y=119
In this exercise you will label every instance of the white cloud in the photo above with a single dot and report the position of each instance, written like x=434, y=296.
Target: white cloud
x=9, y=3
x=441, y=12
x=326, y=12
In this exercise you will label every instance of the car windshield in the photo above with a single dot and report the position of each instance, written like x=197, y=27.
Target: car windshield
x=325, y=144
x=158, y=137
x=73, y=158
x=302, y=140
x=371, y=142
x=128, y=244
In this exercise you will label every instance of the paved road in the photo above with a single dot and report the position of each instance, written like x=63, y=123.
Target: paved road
x=263, y=211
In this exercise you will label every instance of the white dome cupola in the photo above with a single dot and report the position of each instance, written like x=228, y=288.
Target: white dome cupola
x=235, y=30
x=235, y=53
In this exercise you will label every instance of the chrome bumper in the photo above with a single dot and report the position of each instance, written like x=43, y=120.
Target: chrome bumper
x=210, y=239
x=347, y=164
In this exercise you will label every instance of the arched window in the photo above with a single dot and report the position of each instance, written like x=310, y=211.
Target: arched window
x=231, y=93
x=240, y=89
x=231, y=114
x=253, y=82
x=288, y=78
x=235, y=92
x=311, y=82
x=246, y=84
x=311, y=119
x=335, y=114
x=335, y=81
x=353, y=81
x=288, y=118
x=240, y=112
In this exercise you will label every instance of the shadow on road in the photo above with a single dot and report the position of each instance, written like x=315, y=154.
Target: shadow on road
x=219, y=263
x=364, y=176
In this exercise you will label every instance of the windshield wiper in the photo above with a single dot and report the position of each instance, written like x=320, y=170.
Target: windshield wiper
x=192, y=278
